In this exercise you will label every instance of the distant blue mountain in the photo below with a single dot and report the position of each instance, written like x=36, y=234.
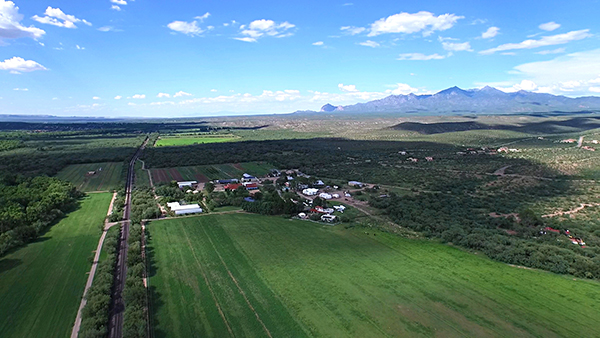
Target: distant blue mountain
x=472, y=101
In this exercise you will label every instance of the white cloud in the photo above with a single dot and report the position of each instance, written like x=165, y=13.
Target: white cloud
x=17, y=65
x=79, y=47
x=544, y=41
x=369, y=43
x=119, y=2
x=162, y=103
x=352, y=30
x=490, y=33
x=347, y=88
x=594, y=89
x=131, y=104
x=549, y=26
x=115, y=8
x=457, y=47
x=10, y=26
x=118, y=97
x=402, y=89
x=262, y=28
x=96, y=98
x=554, y=51
x=420, y=57
x=139, y=96
x=213, y=90
x=108, y=29
x=189, y=28
x=570, y=74
x=21, y=89
x=246, y=39
x=203, y=17
x=181, y=94
x=318, y=43
x=413, y=23
x=53, y=16
x=160, y=95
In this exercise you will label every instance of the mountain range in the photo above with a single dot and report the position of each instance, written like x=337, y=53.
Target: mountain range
x=486, y=100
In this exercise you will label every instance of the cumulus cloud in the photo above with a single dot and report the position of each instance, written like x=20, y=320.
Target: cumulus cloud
x=10, y=26
x=56, y=17
x=408, y=23
x=402, y=89
x=549, y=26
x=188, y=28
x=108, y=29
x=115, y=8
x=490, y=33
x=21, y=89
x=161, y=95
x=181, y=94
x=457, y=47
x=119, y=2
x=420, y=57
x=318, y=43
x=263, y=28
x=139, y=96
x=347, y=88
x=570, y=74
x=203, y=17
x=352, y=30
x=558, y=39
x=96, y=98
x=370, y=43
x=594, y=89
x=118, y=97
x=18, y=65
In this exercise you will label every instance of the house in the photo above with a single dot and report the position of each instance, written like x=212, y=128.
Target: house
x=570, y=140
x=290, y=178
x=355, y=184
x=319, y=183
x=302, y=215
x=339, y=208
x=413, y=160
x=227, y=181
x=402, y=152
x=179, y=209
x=90, y=173
x=335, y=195
x=310, y=191
x=347, y=194
x=503, y=150
x=328, y=218
x=186, y=184
x=251, y=186
x=249, y=199
x=232, y=186
x=325, y=196
x=428, y=158
x=588, y=148
x=249, y=178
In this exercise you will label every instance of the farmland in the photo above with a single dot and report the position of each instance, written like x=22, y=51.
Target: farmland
x=41, y=284
x=249, y=275
x=205, y=173
x=107, y=179
x=187, y=140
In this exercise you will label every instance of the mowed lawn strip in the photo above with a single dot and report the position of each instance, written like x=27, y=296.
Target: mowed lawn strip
x=42, y=283
x=207, y=288
x=360, y=283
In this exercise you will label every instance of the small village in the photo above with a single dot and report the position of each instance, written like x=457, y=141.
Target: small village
x=317, y=200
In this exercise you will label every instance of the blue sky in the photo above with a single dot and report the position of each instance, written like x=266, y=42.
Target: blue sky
x=197, y=58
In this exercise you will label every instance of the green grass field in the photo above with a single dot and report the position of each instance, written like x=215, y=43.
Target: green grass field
x=205, y=173
x=185, y=140
x=42, y=283
x=244, y=275
x=109, y=178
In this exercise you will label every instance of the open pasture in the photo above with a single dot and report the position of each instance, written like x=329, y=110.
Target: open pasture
x=41, y=284
x=170, y=141
x=106, y=176
x=251, y=275
x=207, y=173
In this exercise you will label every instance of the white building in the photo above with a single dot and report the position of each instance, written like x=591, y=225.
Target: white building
x=179, y=209
x=328, y=218
x=310, y=191
x=355, y=183
x=186, y=184
x=339, y=208
x=325, y=196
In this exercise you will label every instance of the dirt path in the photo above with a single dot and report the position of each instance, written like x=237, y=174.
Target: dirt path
x=500, y=172
x=572, y=211
x=88, y=284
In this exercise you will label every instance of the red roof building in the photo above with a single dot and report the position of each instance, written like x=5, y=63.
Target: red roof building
x=232, y=186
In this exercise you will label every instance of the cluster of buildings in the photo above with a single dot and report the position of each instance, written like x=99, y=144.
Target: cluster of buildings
x=572, y=239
